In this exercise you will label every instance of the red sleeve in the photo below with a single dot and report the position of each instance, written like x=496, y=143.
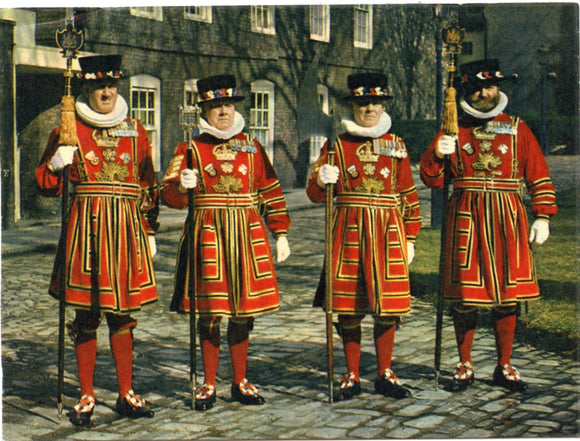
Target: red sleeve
x=408, y=191
x=431, y=167
x=313, y=190
x=49, y=183
x=147, y=181
x=536, y=173
x=271, y=195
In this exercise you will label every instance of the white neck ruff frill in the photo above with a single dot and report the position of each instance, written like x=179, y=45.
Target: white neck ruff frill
x=239, y=123
x=102, y=120
x=380, y=129
x=503, y=102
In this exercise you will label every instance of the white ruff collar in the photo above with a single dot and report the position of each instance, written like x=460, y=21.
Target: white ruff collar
x=503, y=102
x=380, y=129
x=96, y=119
x=239, y=123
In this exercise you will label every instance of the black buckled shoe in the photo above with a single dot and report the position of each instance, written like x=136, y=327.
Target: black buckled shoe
x=388, y=384
x=205, y=397
x=133, y=406
x=246, y=393
x=463, y=377
x=349, y=387
x=508, y=376
x=83, y=411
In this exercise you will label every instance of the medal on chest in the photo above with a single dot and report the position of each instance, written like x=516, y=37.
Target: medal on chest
x=108, y=140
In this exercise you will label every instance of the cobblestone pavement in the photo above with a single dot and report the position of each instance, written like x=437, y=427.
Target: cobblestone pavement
x=287, y=360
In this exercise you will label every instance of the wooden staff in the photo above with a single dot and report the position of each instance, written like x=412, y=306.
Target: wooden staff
x=69, y=41
x=189, y=118
x=452, y=36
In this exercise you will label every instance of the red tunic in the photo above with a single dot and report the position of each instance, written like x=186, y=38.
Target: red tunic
x=113, y=207
x=237, y=185
x=488, y=258
x=377, y=212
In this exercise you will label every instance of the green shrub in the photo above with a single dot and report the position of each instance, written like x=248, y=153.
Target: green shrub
x=417, y=135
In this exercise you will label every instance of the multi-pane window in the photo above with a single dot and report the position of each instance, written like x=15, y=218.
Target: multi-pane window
x=363, y=26
x=262, y=114
x=263, y=19
x=198, y=13
x=316, y=142
x=152, y=12
x=145, y=108
x=320, y=22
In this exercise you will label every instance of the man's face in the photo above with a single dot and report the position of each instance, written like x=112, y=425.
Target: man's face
x=220, y=114
x=102, y=95
x=483, y=99
x=367, y=111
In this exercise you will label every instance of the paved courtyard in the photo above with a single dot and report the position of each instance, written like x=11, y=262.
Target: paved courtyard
x=287, y=360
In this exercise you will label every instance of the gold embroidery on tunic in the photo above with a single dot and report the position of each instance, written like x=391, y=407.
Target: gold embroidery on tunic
x=112, y=171
x=365, y=153
x=223, y=152
x=105, y=138
x=370, y=186
x=174, y=167
x=227, y=167
x=483, y=133
x=109, y=154
x=228, y=184
x=369, y=169
x=487, y=162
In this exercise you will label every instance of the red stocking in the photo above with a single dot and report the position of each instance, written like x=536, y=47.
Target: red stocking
x=505, y=328
x=465, y=324
x=239, y=342
x=86, y=353
x=351, y=340
x=122, y=349
x=384, y=343
x=209, y=335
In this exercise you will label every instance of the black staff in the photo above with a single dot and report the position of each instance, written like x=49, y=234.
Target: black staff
x=69, y=40
x=189, y=121
x=452, y=36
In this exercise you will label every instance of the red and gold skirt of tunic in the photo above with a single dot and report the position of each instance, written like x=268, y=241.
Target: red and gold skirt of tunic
x=235, y=273
x=369, y=228
x=106, y=247
x=488, y=258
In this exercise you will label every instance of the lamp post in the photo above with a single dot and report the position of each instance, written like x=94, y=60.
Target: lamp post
x=544, y=59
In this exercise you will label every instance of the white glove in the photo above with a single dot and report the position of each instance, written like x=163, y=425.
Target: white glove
x=327, y=174
x=282, y=249
x=152, y=245
x=445, y=146
x=188, y=178
x=63, y=156
x=410, y=252
x=540, y=231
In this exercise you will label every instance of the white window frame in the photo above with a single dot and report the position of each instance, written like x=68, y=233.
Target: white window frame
x=363, y=26
x=198, y=13
x=263, y=87
x=152, y=12
x=316, y=142
x=147, y=83
x=320, y=23
x=263, y=19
